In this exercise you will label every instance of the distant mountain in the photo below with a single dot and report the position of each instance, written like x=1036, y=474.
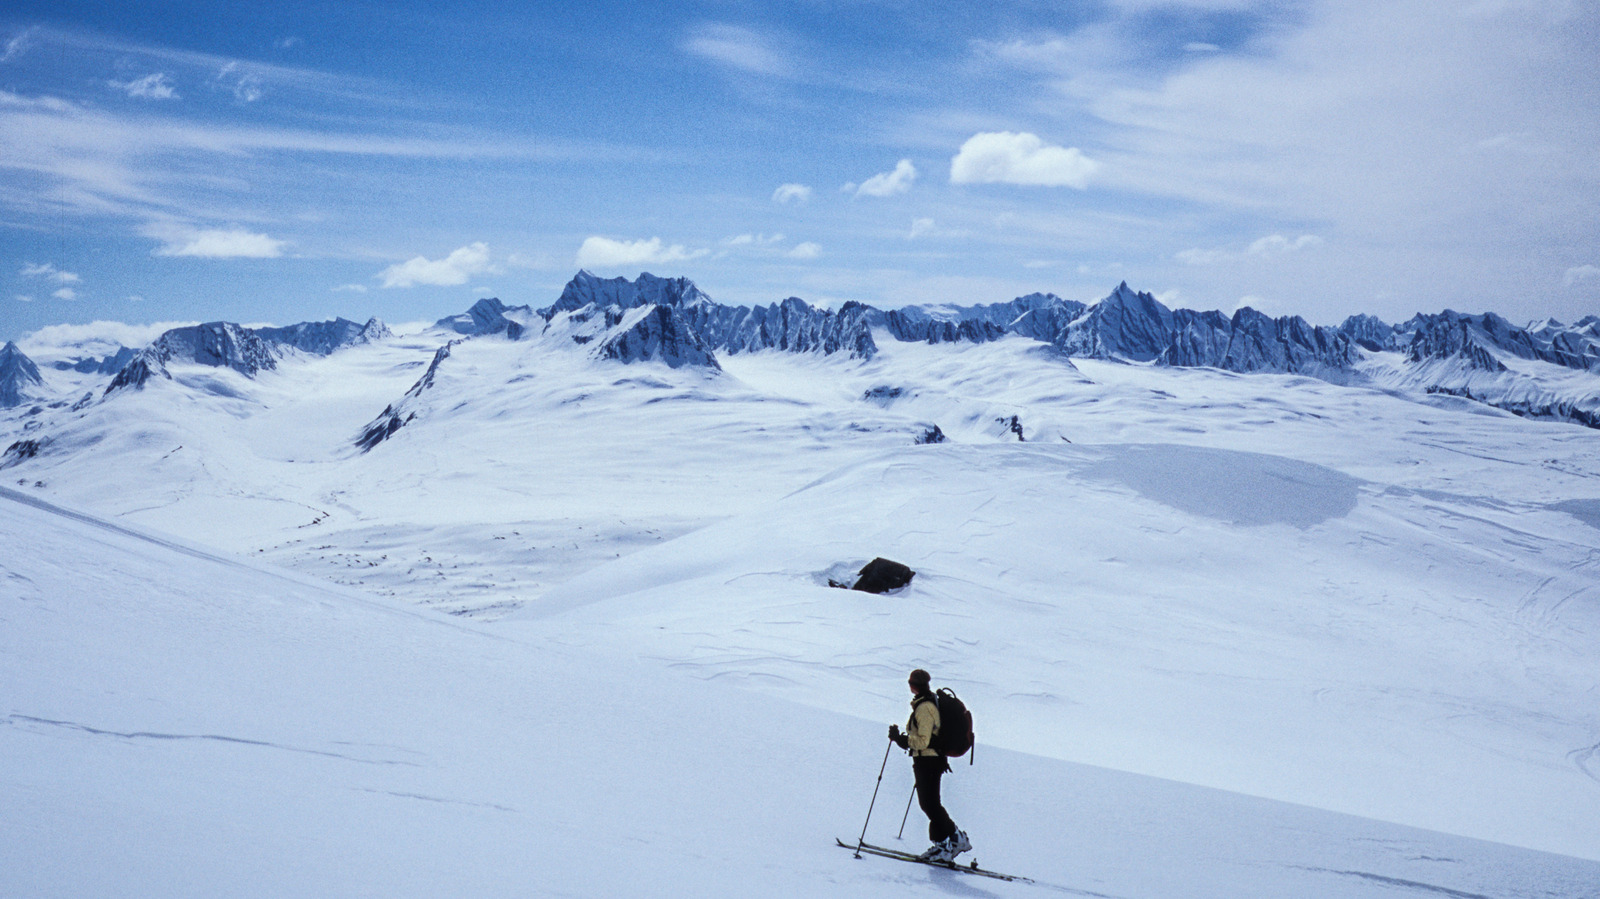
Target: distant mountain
x=17, y=375
x=110, y=364
x=247, y=351
x=1125, y=326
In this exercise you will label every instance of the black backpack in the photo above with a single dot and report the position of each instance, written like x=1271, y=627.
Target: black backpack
x=954, y=737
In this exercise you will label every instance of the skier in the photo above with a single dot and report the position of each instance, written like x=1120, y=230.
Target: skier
x=929, y=766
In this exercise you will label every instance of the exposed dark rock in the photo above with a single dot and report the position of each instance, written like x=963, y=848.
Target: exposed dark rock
x=21, y=451
x=881, y=575
x=932, y=434
x=399, y=414
x=660, y=334
x=17, y=375
x=324, y=338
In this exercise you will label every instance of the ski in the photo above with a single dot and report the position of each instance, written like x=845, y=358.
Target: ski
x=970, y=868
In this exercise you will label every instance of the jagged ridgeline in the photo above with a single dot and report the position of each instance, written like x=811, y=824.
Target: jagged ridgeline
x=245, y=350
x=671, y=321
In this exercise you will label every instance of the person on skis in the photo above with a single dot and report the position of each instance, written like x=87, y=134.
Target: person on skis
x=928, y=766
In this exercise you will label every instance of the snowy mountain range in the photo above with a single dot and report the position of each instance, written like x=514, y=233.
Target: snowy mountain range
x=673, y=321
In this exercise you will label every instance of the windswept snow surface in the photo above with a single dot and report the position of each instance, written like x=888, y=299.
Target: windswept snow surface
x=179, y=723
x=1204, y=619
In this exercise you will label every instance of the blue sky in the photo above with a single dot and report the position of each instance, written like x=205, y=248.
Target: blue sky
x=292, y=161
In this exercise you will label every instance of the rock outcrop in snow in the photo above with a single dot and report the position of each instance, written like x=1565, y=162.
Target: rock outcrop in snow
x=659, y=333
x=18, y=375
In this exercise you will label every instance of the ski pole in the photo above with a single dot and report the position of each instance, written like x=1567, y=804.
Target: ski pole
x=902, y=834
x=881, y=768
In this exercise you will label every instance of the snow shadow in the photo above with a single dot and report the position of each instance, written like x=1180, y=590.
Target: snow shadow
x=1239, y=488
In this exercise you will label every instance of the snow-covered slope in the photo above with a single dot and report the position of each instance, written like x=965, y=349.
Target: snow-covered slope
x=181, y=723
x=1371, y=601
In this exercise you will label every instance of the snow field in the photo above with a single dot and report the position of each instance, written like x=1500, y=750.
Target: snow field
x=184, y=725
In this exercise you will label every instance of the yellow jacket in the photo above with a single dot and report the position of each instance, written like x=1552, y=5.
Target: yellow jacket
x=922, y=725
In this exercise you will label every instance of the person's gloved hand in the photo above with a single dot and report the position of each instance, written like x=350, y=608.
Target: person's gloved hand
x=898, y=737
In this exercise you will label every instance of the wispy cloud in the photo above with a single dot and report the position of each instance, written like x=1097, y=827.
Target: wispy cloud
x=18, y=45
x=886, y=184
x=738, y=48
x=65, y=293
x=461, y=266
x=211, y=243
x=49, y=271
x=919, y=227
x=1581, y=273
x=604, y=252
x=246, y=83
x=798, y=194
x=1260, y=248
x=742, y=240
x=806, y=250
x=155, y=86
x=1005, y=157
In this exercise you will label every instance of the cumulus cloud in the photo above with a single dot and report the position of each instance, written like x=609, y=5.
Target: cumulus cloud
x=1020, y=158
x=603, y=252
x=46, y=270
x=887, y=184
x=453, y=270
x=150, y=87
x=212, y=243
x=1260, y=248
x=1580, y=273
x=22, y=297
x=738, y=48
x=791, y=193
x=807, y=250
x=65, y=293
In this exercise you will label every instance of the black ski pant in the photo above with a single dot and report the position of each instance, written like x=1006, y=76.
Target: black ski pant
x=929, y=770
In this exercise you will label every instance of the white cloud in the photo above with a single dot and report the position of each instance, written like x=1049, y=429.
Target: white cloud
x=212, y=243
x=791, y=193
x=135, y=298
x=18, y=45
x=46, y=270
x=1260, y=248
x=603, y=252
x=287, y=43
x=1020, y=158
x=461, y=266
x=65, y=293
x=919, y=227
x=349, y=288
x=807, y=250
x=246, y=84
x=739, y=48
x=150, y=87
x=1580, y=273
x=887, y=184
x=1275, y=244
x=744, y=240
x=98, y=338
x=22, y=298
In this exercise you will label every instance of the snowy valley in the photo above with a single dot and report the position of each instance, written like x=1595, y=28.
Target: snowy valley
x=535, y=600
